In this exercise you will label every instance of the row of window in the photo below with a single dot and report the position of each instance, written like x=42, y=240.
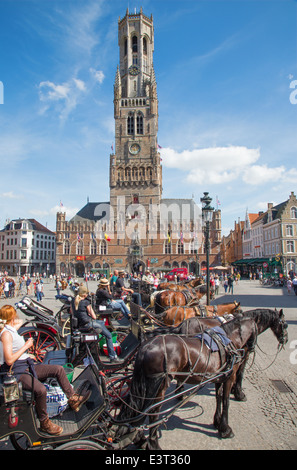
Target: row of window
x=134, y=102
x=93, y=248
x=35, y=255
x=179, y=248
x=24, y=232
x=39, y=243
x=135, y=173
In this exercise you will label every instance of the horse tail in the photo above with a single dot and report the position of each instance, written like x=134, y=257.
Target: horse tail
x=158, y=307
x=143, y=390
x=152, y=301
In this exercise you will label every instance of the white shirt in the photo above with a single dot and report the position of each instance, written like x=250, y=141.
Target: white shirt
x=17, y=342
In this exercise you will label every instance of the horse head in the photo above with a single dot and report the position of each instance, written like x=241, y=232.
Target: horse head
x=280, y=327
x=236, y=307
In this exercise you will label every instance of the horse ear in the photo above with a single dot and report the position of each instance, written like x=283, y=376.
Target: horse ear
x=281, y=313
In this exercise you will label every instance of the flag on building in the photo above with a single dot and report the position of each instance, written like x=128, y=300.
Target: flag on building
x=168, y=237
x=159, y=146
x=107, y=238
x=78, y=237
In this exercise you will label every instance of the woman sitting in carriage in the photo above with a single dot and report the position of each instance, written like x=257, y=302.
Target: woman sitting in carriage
x=15, y=357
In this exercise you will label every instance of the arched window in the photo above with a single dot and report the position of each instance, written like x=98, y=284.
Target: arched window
x=128, y=173
x=134, y=44
x=66, y=249
x=293, y=212
x=141, y=173
x=103, y=248
x=93, y=248
x=180, y=247
x=144, y=46
x=130, y=124
x=167, y=248
x=125, y=47
x=139, y=123
x=80, y=248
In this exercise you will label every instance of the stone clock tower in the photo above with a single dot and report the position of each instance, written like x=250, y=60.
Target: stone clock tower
x=135, y=169
x=123, y=233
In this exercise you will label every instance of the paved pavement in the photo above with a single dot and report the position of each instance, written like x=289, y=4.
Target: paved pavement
x=268, y=419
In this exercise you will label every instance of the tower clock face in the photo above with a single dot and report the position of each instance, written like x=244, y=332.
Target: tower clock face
x=134, y=149
x=133, y=70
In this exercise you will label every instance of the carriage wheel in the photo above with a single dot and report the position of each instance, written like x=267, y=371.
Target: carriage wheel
x=117, y=389
x=80, y=445
x=44, y=341
x=19, y=441
x=66, y=328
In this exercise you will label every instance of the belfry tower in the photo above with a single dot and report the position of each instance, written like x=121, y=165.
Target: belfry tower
x=135, y=169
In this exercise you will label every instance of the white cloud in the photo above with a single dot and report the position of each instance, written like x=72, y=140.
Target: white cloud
x=221, y=165
x=70, y=211
x=80, y=84
x=217, y=165
x=66, y=96
x=53, y=92
x=261, y=174
x=98, y=75
x=11, y=195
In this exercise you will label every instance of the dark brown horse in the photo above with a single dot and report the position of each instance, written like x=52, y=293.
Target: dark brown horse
x=264, y=318
x=173, y=316
x=191, y=361
x=161, y=360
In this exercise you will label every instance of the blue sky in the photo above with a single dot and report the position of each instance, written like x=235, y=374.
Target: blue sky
x=227, y=114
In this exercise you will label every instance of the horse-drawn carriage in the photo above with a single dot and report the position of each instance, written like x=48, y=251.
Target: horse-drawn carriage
x=130, y=398
x=115, y=415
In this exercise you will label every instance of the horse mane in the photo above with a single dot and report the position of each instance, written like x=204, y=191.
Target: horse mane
x=239, y=322
x=266, y=317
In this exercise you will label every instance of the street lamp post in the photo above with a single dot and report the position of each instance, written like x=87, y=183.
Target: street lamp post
x=207, y=211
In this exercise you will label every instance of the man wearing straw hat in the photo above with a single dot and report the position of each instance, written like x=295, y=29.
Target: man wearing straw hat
x=136, y=297
x=104, y=297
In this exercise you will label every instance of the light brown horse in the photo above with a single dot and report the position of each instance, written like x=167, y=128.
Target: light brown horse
x=168, y=298
x=173, y=316
x=181, y=285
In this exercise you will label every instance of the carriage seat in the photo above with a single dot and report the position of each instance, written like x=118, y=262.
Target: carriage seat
x=105, y=310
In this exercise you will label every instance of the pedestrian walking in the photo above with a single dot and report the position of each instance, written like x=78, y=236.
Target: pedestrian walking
x=294, y=282
x=289, y=285
x=6, y=288
x=226, y=285
x=230, y=284
x=39, y=291
x=217, y=285
x=58, y=285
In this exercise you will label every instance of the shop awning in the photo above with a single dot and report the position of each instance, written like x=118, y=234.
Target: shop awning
x=250, y=261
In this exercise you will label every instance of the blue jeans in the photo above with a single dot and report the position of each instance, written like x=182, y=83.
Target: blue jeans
x=100, y=327
x=39, y=296
x=120, y=304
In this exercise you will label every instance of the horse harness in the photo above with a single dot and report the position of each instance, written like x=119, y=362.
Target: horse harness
x=229, y=356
